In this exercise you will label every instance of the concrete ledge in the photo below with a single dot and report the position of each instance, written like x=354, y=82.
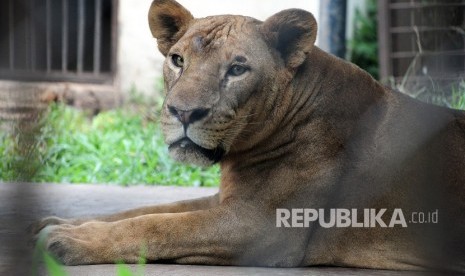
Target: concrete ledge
x=21, y=100
x=21, y=204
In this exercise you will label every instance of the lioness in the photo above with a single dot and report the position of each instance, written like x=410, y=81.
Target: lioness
x=293, y=128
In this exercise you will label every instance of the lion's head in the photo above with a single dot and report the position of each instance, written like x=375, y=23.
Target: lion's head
x=225, y=77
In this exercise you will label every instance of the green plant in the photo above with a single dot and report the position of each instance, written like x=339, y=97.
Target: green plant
x=363, y=48
x=20, y=148
x=123, y=146
x=458, y=96
x=52, y=266
x=442, y=93
x=124, y=270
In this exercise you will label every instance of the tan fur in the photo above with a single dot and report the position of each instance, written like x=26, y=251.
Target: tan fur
x=298, y=129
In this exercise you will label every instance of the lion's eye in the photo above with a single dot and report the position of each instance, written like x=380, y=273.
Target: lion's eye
x=237, y=70
x=178, y=61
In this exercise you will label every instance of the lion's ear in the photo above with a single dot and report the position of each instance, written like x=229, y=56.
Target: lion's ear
x=292, y=32
x=168, y=22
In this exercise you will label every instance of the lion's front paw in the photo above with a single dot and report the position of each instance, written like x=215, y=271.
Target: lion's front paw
x=62, y=242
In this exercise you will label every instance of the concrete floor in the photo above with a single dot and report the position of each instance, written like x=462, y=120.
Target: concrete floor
x=21, y=204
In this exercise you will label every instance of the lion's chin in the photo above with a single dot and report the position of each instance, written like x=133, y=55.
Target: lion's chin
x=186, y=151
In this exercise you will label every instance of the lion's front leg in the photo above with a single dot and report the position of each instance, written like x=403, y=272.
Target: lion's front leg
x=218, y=236
x=175, y=207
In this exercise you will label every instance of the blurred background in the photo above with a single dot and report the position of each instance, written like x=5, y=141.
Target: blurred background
x=81, y=82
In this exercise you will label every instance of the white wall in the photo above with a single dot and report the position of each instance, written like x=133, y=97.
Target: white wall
x=140, y=62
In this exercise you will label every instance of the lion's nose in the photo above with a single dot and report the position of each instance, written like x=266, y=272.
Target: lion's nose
x=187, y=117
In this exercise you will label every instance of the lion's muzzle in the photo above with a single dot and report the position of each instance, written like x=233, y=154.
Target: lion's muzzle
x=189, y=116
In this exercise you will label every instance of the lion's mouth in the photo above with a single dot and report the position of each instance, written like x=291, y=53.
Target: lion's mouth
x=187, y=144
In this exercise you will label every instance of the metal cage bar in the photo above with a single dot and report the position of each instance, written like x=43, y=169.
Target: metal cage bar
x=32, y=34
x=64, y=36
x=401, y=23
x=11, y=35
x=81, y=37
x=45, y=42
x=97, y=36
x=48, y=26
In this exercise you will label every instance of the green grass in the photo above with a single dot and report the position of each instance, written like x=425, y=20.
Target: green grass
x=123, y=146
x=458, y=96
x=451, y=96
